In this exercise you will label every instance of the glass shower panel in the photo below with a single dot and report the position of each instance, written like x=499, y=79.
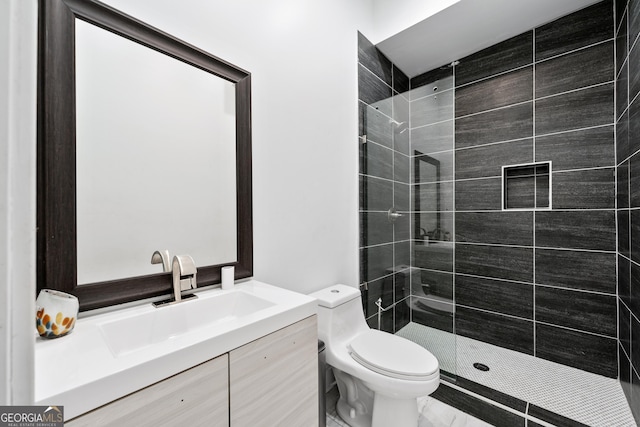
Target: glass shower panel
x=384, y=212
x=431, y=284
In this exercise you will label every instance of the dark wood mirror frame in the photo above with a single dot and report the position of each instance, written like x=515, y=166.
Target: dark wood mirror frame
x=56, y=164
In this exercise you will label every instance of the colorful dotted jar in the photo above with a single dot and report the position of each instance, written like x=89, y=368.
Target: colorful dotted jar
x=56, y=313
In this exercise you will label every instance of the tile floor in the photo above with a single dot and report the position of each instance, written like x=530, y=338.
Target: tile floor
x=582, y=396
x=432, y=414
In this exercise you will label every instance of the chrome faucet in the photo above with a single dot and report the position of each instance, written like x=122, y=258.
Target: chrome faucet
x=184, y=275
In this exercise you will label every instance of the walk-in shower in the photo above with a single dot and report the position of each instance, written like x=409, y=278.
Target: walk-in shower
x=504, y=261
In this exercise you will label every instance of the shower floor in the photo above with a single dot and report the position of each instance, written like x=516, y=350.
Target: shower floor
x=582, y=396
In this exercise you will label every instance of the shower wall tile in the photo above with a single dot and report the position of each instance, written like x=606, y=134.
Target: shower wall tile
x=402, y=316
x=402, y=255
x=634, y=71
x=372, y=90
x=576, y=230
x=375, y=194
x=432, y=284
x=432, y=313
x=400, y=129
x=581, y=149
x=375, y=229
x=589, y=271
x=500, y=262
x=507, y=55
x=585, y=67
x=624, y=245
x=400, y=200
x=622, y=195
x=402, y=285
x=521, y=193
x=624, y=280
x=584, y=311
x=622, y=137
x=433, y=167
x=635, y=235
x=622, y=97
x=581, y=350
x=508, y=332
x=574, y=110
x=620, y=9
x=401, y=228
x=401, y=167
x=432, y=109
x=400, y=80
x=622, y=47
x=499, y=91
x=625, y=373
x=374, y=60
x=433, y=197
x=376, y=160
x=432, y=138
x=500, y=296
x=478, y=408
x=442, y=78
x=379, y=288
x=376, y=262
x=634, y=20
x=635, y=342
x=634, y=181
x=432, y=226
x=479, y=194
x=435, y=256
x=583, y=28
x=624, y=327
x=487, y=160
x=375, y=126
x=585, y=189
x=501, y=228
x=633, y=126
x=505, y=124
x=634, y=290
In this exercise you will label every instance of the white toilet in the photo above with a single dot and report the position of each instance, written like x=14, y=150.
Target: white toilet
x=379, y=375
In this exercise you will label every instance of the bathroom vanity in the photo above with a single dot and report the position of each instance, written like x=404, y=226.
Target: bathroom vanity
x=242, y=357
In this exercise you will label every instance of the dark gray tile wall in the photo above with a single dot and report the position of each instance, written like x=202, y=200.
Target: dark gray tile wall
x=385, y=171
x=628, y=197
x=541, y=282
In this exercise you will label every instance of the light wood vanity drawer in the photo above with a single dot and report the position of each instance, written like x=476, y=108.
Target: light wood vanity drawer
x=196, y=397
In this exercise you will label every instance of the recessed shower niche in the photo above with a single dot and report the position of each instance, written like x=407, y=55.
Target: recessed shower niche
x=526, y=186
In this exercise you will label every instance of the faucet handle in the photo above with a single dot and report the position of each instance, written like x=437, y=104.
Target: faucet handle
x=162, y=257
x=184, y=270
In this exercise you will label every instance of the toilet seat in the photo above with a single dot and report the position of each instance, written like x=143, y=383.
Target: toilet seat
x=393, y=356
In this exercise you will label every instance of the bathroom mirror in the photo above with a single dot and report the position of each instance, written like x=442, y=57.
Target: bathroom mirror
x=144, y=143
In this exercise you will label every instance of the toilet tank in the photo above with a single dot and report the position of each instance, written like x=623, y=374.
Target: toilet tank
x=340, y=314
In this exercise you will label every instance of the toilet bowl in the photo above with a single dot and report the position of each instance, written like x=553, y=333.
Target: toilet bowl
x=379, y=375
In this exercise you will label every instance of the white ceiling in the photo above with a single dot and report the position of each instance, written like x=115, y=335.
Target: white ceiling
x=467, y=27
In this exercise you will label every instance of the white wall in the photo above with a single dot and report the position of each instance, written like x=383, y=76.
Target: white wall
x=392, y=16
x=17, y=199
x=303, y=59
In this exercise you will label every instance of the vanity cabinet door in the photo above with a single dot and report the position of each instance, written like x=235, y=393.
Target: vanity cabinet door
x=196, y=397
x=274, y=380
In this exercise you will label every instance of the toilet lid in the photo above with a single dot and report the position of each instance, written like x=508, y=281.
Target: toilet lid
x=393, y=356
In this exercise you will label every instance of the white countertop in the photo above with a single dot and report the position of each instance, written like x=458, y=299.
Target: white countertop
x=81, y=372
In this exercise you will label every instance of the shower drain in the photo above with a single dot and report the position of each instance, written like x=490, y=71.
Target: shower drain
x=481, y=366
